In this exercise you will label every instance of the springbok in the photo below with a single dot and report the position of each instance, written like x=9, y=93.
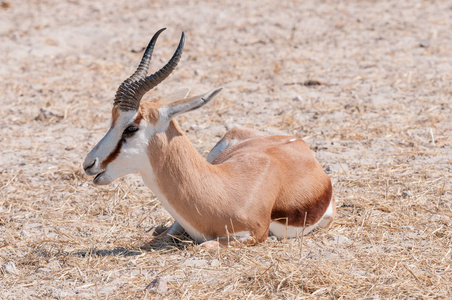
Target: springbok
x=251, y=183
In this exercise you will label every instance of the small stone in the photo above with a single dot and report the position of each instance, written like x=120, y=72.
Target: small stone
x=5, y=5
x=424, y=44
x=321, y=291
x=361, y=273
x=195, y=127
x=407, y=194
x=46, y=114
x=297, y=98
x=60, y=293
x=9, y=267
x=272, y=238
x=44, y=271
x=158, y=285
x=342, y=240
x=193, y=262
x=24, y=233
x=327, y=169
x=107, y=290
x=215, y=263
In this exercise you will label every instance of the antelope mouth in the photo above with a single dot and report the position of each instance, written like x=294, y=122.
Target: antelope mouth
x=102, y=179
x=98, y=175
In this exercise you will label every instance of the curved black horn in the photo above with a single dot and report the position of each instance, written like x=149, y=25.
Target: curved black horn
x=143, y=68
x=153, y=80
x=130, y=92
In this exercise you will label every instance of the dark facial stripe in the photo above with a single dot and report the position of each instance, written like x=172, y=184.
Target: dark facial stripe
x=113, y=154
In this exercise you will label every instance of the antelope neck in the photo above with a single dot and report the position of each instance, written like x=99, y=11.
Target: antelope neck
x=175, y=162
x=180, y=178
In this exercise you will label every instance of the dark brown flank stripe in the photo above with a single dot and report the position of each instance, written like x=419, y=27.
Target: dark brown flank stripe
x=295, y=216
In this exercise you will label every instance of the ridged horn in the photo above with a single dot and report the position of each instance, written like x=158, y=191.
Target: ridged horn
x=143, y=68
x=130, y=92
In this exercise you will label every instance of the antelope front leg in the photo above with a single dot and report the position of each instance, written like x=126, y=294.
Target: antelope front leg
x=175, y=229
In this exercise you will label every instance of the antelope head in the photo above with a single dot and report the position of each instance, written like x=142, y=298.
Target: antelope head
x=123, y=149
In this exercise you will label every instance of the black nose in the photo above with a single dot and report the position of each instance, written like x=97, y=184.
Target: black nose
x=90, y=166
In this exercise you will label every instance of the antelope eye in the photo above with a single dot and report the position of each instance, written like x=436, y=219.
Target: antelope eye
x=129, y=131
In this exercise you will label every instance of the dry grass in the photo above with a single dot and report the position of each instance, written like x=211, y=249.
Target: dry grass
x=380, y=123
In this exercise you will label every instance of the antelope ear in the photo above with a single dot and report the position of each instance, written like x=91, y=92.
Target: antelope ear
x=182, y=106
x=180, y=93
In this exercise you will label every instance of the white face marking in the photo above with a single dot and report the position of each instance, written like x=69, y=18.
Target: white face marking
x=132, y=150
x=132, y=157
x=292, y=140
x=108, y=143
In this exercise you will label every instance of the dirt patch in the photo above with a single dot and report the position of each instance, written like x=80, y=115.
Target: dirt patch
x=366, y=84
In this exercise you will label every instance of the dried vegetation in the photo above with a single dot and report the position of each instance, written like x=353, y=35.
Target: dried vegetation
x=365, y=83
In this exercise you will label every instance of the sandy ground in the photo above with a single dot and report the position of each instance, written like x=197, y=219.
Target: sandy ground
x=380, y=123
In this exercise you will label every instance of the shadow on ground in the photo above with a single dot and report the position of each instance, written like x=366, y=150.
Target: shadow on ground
x=157, y=243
